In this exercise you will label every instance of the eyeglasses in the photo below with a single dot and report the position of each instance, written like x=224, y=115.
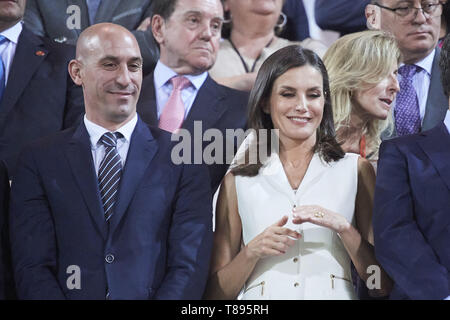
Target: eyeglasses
x=408, y=12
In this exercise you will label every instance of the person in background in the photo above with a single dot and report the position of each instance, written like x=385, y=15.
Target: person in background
x=253, y=37
x=363, y=68
x=63, y=21
x=37, y=96
x=284, y=231
x=411, y=210
x=415, y=24
x=188, y=33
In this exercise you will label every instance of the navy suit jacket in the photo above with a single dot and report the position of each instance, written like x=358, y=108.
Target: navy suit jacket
x=40, y=98
x=156, y=245
x=48, y=18
x=411, y=217
x=216, y=106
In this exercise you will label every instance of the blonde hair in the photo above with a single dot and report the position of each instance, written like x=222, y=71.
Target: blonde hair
x=358, y=61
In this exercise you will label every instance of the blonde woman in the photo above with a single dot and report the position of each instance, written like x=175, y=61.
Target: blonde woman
x=362, y=68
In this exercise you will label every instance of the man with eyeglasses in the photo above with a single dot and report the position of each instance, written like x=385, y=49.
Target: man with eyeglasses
x=421, y=103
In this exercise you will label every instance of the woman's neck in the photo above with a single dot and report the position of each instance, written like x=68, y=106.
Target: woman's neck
x=250, y=40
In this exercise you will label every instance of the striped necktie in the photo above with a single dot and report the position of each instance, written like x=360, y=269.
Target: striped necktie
x=2, y=70
x=109, y=173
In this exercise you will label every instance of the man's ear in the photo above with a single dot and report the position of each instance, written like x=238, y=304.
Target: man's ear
x=75, y=72
x=158, y=28
x=373, y=17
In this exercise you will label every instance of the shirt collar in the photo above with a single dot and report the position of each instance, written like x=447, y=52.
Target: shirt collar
x=447, y=120
x=426, y=63
x=163, y=73
x=96, y=132
x=13, y=33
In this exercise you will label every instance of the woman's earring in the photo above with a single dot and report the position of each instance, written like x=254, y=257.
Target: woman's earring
x=280, y=25
x=226, y=17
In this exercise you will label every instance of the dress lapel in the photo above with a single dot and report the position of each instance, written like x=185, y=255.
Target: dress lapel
x=79, y=155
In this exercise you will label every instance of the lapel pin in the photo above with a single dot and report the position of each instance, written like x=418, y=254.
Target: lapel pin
x=40, y=53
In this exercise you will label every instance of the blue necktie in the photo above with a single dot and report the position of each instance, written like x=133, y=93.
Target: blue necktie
x=2, y=70
x=92, y=8
x=407, y=111
x=109, y=173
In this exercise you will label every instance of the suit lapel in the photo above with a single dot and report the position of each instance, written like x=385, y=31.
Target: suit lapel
x=146, y=107
x=143, y=148
x=30, y=53
x=436, y=102
x=106, y=11
x=436, y=145
x=207, y=107
x=79, y=155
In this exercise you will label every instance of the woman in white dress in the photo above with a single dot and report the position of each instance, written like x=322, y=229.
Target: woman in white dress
x=290, y=223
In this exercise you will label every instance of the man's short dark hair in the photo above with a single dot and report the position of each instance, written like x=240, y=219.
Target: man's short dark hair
x=165, y=8
x=444, y=64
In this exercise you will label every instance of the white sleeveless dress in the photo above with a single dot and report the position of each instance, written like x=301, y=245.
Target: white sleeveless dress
x=317, y=266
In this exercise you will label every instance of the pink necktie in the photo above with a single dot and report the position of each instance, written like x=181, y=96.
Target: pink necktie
x=173, y=114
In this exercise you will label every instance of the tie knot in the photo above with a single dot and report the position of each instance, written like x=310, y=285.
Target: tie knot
x=180, y=82
x=408, y=70
x=109, y=139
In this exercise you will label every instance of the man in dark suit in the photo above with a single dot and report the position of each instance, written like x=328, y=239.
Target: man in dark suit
x=38, y=96
x=100, y=210
x=420, y=104
x=412, y=208
x=188, y=33
x=64, y=20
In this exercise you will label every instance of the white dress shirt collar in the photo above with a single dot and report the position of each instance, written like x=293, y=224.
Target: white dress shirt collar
x=426, y=63
x=96, y=132
x=13, y=33
x=163, y=73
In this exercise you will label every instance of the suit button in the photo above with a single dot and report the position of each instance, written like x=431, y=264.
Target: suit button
x=109, y=258
x=296, y=284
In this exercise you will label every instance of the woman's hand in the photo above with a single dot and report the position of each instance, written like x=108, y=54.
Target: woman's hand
x=321, y=217
x=273, y=241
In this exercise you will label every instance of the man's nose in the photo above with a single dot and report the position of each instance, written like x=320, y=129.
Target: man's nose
x=123, y=76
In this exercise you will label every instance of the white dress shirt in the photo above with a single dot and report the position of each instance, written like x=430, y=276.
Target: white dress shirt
x=421, y=81
x=8, y=48
x=98, y=149
x=163, y=87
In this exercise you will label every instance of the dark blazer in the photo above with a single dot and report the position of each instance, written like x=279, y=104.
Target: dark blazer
x=156, y=245
x=40, y=98
x=5, y=263
x=215, y=106
x=411, y=217
x=48, y=18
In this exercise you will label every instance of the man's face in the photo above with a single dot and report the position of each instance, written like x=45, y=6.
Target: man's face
x=416, y=37
x=111, y=76
x=189, y=39
x=11, y=11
